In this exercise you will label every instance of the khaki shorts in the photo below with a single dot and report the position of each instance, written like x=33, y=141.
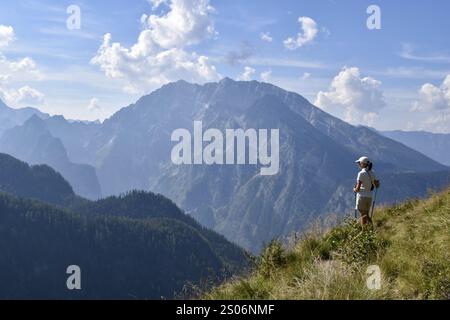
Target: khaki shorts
x=363, y=204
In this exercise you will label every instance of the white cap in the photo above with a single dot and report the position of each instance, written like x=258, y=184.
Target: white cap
x=363, y=160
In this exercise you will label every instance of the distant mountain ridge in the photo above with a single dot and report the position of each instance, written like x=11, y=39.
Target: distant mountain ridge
x=33, y=142
x=137, y=246
x=434, y=145
x=9, y=117
x=37, y=182
x=131, y=150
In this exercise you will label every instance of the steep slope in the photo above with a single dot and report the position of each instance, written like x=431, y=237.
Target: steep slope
x=317, y=151
x=410, y=244
x=120, y=258
x=74, y=135
x=39, y=182
x=434, y=145
x=9, y=117
x=139, y=245
x=249, y=207
x=32, y=142
x=145, y=206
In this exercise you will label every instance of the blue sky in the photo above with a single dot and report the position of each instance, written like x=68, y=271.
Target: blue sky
x=392, y=78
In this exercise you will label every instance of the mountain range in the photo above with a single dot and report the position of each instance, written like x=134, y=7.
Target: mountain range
x=132, y=150
x=137, y=246
x=39, y=182
x=33, y=142
x=9, y=117
x=434, y=145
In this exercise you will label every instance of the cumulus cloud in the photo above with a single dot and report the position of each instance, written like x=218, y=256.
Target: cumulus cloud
x=435, y=102
x=20, y=70
x=6, y=35
x=156, y=3
x=432, y=97
x=265, y=76
x=25, y=96
x=352, y=97
x=265, y=36
x=437, y=123
x=187, y=22
x=159, y=55
x=94, y=105
x=308, y=33
x=24, y=69
x=247, y=74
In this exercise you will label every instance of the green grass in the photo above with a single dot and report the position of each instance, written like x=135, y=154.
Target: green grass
x=410, y=243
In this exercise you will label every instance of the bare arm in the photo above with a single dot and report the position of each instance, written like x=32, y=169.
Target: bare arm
x=358, y=186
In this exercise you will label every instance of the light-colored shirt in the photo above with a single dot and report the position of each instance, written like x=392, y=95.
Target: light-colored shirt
x=367, y=179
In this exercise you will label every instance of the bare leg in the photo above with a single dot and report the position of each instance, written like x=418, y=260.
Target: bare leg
x=364, y=217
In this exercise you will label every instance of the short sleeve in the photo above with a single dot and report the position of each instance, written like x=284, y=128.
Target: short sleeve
x=359, y=176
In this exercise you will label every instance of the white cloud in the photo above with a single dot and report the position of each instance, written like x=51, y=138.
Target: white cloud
x=355, y=99
x=408, y=49
x=144, y=69
x=308, y=33
x=437, y=123
x=25, y=96
x=21, y=69
x=265, y=76
x=159, y=55
x=306, y=76
x=265, y=36
x=418, y=73
x=24, y=69
x=187, y=22
x=247, y=74
x=156, y=3
x=434, y=102
x=6, y=35
x=18, y=71
x=94, y=105
x=432, y=97
x=290, y=63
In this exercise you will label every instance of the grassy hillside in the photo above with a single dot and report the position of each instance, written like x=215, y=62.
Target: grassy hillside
x=410, y=243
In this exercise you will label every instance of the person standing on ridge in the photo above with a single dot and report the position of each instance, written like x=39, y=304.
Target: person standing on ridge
x=365, y=184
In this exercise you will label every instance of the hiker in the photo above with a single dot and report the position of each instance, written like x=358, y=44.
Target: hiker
x=365, y=184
